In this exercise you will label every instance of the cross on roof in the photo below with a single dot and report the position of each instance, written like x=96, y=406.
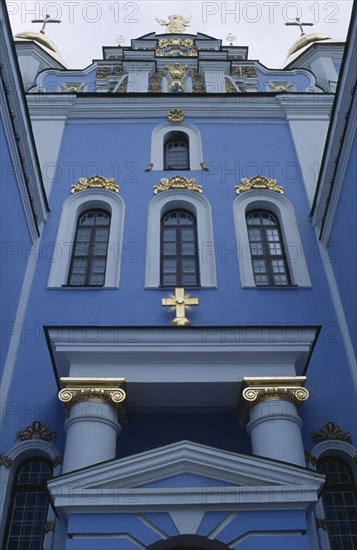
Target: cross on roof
x=299, y=24
x=46, y=20
x=179, y=303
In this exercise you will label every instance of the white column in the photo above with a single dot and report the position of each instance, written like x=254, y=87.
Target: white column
x=92, y=425
x=274, y=423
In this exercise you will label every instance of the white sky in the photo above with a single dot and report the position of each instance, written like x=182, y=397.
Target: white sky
x=88, y=25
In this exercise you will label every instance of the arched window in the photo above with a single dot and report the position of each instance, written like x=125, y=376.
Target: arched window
x=90, y=247
x=179, y=250
x=339, y=500
x=27, y=514
x=176, y=151
x=270, y=267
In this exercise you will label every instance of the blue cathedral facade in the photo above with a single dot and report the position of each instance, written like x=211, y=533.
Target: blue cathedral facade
x=178, y=295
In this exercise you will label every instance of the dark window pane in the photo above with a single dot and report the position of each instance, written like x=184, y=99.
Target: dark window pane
x=176, y=152
x=266, y=242
x=28, y=507
x=179, y=256
x=90, y=249
x=340, y=504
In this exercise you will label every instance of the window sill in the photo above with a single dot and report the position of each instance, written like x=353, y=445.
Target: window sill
x=277, y=287
x=65, y=287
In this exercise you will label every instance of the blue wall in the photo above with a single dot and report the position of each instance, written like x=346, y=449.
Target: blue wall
x=123, y=151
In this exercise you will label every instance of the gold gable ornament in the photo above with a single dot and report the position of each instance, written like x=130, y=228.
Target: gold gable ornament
x=177, y=182
x=258, y=182
x=166, y=43
x=95, y=182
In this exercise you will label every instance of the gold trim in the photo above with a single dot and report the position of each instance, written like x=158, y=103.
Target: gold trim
x=5, y=461
x=176, y=115
x=176, y=71
x=331, y=432
x=95, y=182
x=177, y=182
x=258, y=182
x=197, y=82
x=102, y=390
x=310, y=458
x=257, y=390
x=50, y=526
x=179, y=303
x=57, y=461
x=184, y=42
x=36, y=431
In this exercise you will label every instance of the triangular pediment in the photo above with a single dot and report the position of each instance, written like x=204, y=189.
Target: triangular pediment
x=181, y=471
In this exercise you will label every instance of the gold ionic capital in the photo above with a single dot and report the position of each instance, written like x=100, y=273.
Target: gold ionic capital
x=102, y=390
x=257, y=390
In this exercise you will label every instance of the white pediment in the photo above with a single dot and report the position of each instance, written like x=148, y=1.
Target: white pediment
x=186, y=473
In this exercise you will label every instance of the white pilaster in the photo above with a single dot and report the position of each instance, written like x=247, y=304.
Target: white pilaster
x=92, y=425
x=274, y=423
x=138, y=81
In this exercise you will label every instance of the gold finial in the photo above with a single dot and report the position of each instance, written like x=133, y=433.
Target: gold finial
x=176, y=23
x=179, y=302
x=299, y=24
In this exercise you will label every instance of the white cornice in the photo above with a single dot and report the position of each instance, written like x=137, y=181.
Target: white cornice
x=249, y=482
x=338, y=147
x=25, y=146
x=312, y=106
x=148, y=358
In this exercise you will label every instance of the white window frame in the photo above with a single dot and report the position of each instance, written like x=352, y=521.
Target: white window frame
x=73, y=207
x=20, y=452
x=283, y=210
x=158, y=142
x=201, y=209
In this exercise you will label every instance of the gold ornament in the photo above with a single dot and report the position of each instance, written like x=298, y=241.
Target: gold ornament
x=95, y=182
x=186, y=43
x=258, y=182
x=331, y=432
x=176, y=115
x=36, y=431
x=177, y=182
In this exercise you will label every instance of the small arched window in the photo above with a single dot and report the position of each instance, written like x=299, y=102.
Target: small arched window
x=176, y=151
x=179, y=250
x=270, y=267
x=90, y=248
x=28, y=507
x=339, y=499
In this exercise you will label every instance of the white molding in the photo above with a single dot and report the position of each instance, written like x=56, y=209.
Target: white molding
x=148, y=107
x=158, y=141
x=17, y=335
x=283, y=209
x=19, y=453
x=72, y=208
x=150, y=357
x=340, y=314
x=201, y=208
x=249, y=482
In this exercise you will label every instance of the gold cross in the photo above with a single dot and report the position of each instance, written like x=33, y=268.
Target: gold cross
x=179, y=302
x=299, y=24
x=45, y=21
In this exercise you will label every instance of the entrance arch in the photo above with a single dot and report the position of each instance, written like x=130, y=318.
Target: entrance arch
x=188, y=542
